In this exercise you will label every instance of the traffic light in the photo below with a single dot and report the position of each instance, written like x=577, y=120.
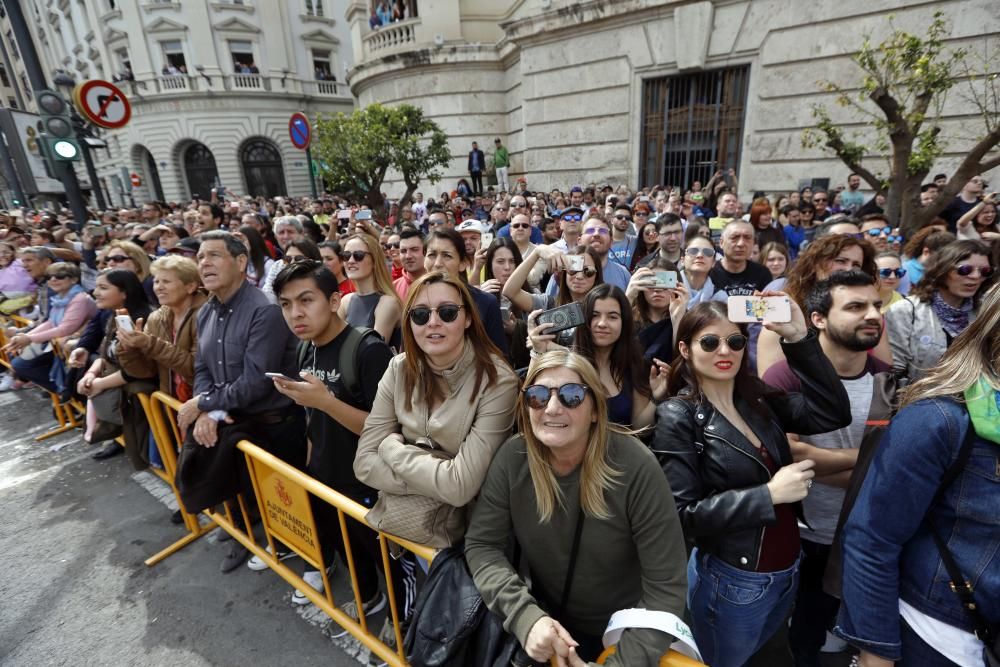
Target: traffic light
x=58, y=133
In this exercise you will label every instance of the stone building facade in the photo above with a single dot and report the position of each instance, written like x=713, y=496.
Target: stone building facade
x=641, y=91
x=212, y=85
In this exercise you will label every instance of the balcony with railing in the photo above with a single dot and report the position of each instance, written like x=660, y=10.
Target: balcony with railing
x=176, y=83
x=246, y=82
x=329, y=88
x=391, y=38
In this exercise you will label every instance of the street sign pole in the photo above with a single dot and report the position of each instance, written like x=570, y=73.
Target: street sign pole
x=312, y=176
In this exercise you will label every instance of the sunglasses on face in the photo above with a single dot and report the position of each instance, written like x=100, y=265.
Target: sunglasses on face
x=710, y=342
x=590, y=231
x=878, y=232
x=59, y=276
x=968, y=270
x=572, y=218
x=588, y=272
x=704, y=252
x=642, y=214
x=571, y=395
x=518, y=206
x=895, y=239
x=520, y=225
x=387, y=246
x=623, y=217
x=116, y=259
x=447, y=313
x=886, y=273
x=357, y=255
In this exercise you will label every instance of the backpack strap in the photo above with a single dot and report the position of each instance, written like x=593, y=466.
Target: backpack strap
x=348, y=362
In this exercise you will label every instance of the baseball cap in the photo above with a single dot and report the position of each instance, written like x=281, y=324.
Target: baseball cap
x=576, y=188
x=187, y=247
x=570, y=209
x=470, y=226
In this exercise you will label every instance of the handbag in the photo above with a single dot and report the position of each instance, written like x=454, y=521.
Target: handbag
x=107, y=408
x=418, y=518
x=988, y=634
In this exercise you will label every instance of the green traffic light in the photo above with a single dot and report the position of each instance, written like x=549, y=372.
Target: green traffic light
x=65, y=149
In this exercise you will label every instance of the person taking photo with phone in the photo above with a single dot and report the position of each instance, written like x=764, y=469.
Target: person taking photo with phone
x=722, y=444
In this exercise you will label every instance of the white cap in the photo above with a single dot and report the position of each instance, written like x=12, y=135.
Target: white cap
x=470, y=226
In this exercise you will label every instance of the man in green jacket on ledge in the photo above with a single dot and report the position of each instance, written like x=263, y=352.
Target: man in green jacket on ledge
x=501, y=160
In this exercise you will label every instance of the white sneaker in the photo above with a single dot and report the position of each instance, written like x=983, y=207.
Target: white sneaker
x=6, y=382
x=373, y=606
x=314, y=579
x=258, y=565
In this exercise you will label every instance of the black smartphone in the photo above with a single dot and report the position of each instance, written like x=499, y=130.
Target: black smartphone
x=563, y=317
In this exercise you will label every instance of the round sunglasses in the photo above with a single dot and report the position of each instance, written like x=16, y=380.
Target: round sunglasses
x=886, y=273
x=704, y=252
x=447, y=313
x=571, y=395
x=967, y=270
x=711, y=342
x=588, y=272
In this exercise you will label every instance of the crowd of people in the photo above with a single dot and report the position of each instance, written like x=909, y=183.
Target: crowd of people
x=555, y=385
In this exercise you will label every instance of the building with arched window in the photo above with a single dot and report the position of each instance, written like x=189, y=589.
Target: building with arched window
x=644, y=92
x=212, y=85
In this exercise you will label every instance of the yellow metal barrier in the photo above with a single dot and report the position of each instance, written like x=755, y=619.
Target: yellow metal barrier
x=266, y=470
x=671, y=659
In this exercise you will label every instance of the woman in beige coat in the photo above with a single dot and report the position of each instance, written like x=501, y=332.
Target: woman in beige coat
x=442, y=410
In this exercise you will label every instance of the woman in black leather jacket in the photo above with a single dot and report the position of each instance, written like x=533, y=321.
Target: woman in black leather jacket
x=721, y=441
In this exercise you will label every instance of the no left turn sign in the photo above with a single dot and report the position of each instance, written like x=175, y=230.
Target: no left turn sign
x=103, y=104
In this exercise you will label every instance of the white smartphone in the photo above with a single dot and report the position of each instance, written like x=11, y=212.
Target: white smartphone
x=485, y=240
x=759, y=308
x=574, y=263
x=124, y=323
x=282, y=376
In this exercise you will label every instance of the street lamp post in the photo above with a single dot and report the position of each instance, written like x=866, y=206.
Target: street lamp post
x=66, y=83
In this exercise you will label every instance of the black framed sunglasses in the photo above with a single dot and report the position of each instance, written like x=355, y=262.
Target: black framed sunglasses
x=896, y=239
x=571, y=395
x=59, y=276
x=711, y=342
x=356, y=255
x=886, y=273
x=448, y=313
x=387, y=246
x=623, y=217
x=520, y=225
x=965, y=270
x=588, y=272
x=878, y=231
x=572, y=218
x=117, y=259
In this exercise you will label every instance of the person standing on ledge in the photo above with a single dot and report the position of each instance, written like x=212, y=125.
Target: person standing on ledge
x=477, y=161
x=501, y=160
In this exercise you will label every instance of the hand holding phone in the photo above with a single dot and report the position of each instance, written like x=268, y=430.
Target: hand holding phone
x=562, y=318
x=124, y=323
x=665, y=280
x=282, y=376
x=759, y=308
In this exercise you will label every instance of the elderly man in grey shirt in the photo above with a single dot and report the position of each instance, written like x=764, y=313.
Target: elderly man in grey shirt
x=241, y=336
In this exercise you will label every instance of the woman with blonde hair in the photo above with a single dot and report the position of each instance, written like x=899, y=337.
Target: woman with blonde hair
x=594, y=518
x=374, y=303
x=127, y=255
x=922, y=542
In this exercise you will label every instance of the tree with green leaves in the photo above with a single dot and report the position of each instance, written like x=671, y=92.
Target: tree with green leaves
x=357, y=150
x=904, y=83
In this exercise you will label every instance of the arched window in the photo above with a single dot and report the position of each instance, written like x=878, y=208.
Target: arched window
x=199, y=167
x=262, y=169
x=147, y=165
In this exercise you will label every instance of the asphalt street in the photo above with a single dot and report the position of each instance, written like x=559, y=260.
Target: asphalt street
x=74, y=590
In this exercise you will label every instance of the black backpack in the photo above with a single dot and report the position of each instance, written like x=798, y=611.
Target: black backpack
x=347, y=361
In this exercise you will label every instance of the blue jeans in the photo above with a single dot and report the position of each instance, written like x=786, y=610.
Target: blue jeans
x=734, y=612
x=35, y=370
x=917, y=652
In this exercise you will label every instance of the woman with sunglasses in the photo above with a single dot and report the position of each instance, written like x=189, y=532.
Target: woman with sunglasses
x=890, y=275
x=331, y=251
x=446, y=252
x=130, y=257
x=374, y=303
x=70, y=308
x=699, y=259
x=924, y=324
x=594, y=519
x=721, y=440
x=649, y=243
x=442, y=409
x=899, y=604
x=576, y=279
x=117, y=291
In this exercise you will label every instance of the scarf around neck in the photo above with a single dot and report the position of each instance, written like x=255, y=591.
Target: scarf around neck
x=983, y=403
x=953, y=320
x=58, y=304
